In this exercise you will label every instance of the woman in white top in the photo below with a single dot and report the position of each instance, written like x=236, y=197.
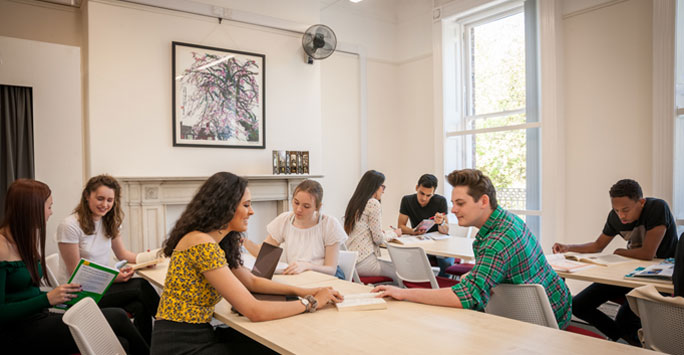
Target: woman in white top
x=363, y=223
x=311, y=240
x=92, y=233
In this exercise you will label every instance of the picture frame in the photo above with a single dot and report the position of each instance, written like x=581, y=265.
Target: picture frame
x=218, y=97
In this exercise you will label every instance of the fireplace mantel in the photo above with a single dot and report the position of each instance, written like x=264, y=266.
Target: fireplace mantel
x=145, y=200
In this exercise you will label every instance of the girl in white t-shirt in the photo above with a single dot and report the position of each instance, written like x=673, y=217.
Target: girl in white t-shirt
x=92, y=232
x=310, y=239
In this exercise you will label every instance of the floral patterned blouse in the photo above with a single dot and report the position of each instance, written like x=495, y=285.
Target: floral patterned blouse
x=367, y=235
x=188, y=296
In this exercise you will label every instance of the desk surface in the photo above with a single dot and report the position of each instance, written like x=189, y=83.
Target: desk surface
x=453, y=247
x=404, y=328
x=615, y=275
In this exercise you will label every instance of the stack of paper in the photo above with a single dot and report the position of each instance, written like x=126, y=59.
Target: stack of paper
x=361, y=302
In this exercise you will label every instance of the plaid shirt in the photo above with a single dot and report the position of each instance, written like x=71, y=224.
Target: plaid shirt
x=506, y=252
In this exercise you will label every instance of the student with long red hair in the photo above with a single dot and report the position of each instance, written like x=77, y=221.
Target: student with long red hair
x=26, y=326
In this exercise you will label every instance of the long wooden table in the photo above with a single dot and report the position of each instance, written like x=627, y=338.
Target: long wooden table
x=403, y=328
x=452, y=247
x=615, y=275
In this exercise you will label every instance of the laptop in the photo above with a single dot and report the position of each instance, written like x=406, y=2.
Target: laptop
x=267, y=261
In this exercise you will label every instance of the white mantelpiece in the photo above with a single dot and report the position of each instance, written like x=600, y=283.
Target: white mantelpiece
x=145, y=201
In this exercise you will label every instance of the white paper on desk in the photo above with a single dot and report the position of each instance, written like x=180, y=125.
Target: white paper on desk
x=414, y=239
x=437, y=236
x=248, y=261
x=361, y=302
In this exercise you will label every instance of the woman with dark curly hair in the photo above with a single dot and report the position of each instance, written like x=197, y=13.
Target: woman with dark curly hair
x=92, y=233
x=198, y=275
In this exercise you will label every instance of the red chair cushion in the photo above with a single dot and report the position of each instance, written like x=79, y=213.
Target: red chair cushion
x=441, y=281
x=578, y=330
x=374, y=279
x=459, y=269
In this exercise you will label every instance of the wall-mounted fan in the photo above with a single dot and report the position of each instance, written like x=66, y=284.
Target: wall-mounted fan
x=319, y=42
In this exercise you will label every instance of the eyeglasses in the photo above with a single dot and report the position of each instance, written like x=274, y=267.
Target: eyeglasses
x=383, y=187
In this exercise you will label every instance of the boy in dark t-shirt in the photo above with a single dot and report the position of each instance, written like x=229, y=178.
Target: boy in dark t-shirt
x=649, y=229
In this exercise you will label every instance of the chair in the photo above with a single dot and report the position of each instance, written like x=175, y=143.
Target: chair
x=459, y=269
x=347, y=262
x=662, y=322
x=527, y=303
x=414, y=270
x=52, y=267
x=90, y=329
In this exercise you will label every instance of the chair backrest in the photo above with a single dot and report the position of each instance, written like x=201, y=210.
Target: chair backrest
x=90, y=329
x=347, y=262
x=524, y=302
x=52, y=267
x=412, y=265
x=662, y=326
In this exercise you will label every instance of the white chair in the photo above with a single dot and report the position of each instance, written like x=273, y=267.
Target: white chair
x=52, y=267
x=526, y=302
x=90, y=329
x=413, y=268
x=662, y=324
x=347, y=262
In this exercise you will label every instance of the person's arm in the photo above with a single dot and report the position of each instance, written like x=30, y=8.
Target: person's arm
x=596, y=246
x=437, y=297
x=648, y=249
x=329, y=266
x=230, y=287
x=378, y=235
x=71, y=254
x=442, y=223
x=254, y=248
x=403, y=220
x=121, y=252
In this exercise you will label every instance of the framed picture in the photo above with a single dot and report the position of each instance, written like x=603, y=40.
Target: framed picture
x=218, y=97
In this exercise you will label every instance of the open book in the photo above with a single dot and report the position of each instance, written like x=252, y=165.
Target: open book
x=149, y=258
x=559, y=263
x=410, y=239
x=361, y=302
x=597, y=258
x=94, y=279
x=656, y=272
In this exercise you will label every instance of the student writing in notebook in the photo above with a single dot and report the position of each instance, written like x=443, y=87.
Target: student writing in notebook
x=505, y=252
x=310, y=239
x=92, y=232
x=26, y=326
x=200, y=273
x=649, y=229
x=363, y=223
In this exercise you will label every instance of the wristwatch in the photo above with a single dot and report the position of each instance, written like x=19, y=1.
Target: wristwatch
x=310, y=303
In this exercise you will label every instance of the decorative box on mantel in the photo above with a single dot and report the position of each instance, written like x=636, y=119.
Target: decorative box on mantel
x=146, y=202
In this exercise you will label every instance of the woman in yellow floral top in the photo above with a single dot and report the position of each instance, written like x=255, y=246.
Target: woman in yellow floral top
x=200, y=273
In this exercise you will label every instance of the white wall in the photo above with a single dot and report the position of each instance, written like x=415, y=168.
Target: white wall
x=130, y=113
x=54, y=73
x=607, y=110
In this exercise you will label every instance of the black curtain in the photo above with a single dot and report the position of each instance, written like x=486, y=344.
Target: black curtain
x=16, y=137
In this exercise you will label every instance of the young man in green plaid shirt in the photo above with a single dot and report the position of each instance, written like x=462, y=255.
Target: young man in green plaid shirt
x=505, y=252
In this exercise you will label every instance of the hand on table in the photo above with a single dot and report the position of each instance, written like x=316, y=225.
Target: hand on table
x=389, y=291
x=560, y=248
x=297, y=267
x=326, y=296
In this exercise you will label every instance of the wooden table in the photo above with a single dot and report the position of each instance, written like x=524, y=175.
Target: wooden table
x=452, y=247
x=615, y=275
x=403, y=328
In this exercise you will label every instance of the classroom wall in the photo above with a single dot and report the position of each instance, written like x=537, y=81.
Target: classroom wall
x=40, y=21
x=607, y=109
x=53, y=71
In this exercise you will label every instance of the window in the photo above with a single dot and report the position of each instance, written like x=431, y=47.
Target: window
x=678, y=208
x=492, y=123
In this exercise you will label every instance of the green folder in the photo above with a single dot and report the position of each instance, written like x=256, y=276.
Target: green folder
x=94, y=278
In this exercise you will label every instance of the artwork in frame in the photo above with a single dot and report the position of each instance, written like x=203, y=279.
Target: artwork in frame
x=218, y=97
